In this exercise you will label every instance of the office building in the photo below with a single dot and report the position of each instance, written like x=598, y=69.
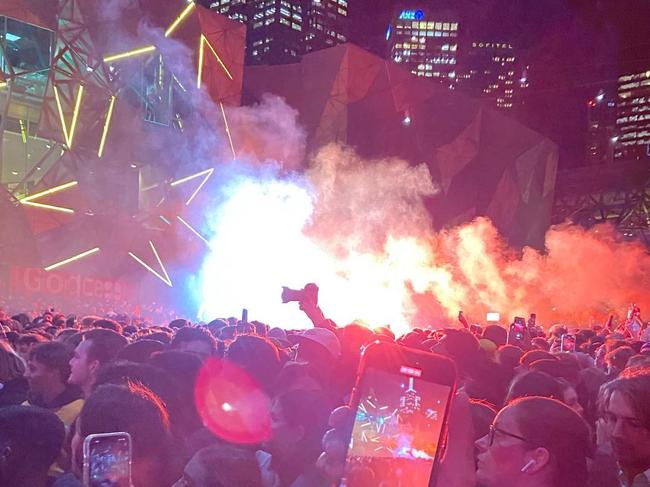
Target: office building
x=425, y=42
x=493, y=71
x=282, y=31
x=632, y=140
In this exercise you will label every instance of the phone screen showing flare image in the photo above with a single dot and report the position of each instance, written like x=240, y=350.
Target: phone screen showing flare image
x=397, y=429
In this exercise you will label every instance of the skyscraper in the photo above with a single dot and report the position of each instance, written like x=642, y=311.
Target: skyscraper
x=494, y=71
x=425, y=42
x=633, y=117
x=601, y=128
x=281, y=31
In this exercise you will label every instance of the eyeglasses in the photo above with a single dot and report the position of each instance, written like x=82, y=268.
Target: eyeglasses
x=494, y=430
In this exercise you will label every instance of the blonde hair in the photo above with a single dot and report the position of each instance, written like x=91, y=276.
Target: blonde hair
x=11, y=365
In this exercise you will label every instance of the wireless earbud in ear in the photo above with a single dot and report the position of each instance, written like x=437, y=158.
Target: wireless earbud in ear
x=527, y=467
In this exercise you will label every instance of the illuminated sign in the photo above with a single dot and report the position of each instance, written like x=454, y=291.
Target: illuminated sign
x=493, y=45
x=411, y=15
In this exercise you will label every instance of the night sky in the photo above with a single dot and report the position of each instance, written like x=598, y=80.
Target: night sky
x=574, y=48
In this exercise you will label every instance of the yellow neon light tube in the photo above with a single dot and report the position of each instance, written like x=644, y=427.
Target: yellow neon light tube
x=55, y=189
x=193, y=176
x=186, y=11
x=200, y=67
x=165, y=279
x=107, y=124
x=47, y=207
x=127, y=54
x=217, y=56
x=75, y=114
x=72, y=259
x=64, y=126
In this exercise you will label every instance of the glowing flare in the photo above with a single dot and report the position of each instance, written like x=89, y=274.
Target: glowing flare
x=72, y=259
x=186, y=11
x=128, y=54
x=164, y=278
x=107, y=124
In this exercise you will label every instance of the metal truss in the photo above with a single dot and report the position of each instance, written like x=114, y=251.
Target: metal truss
x=618, y=194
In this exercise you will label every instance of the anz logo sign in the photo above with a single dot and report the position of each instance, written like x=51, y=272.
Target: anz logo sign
x=411, y=15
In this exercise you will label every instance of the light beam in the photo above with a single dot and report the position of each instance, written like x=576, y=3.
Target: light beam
x=193, y=230
x=72, y=259
x=107, y=124
x=207, y=173
x=202, y=42
x=127, y=54
x=164, y=278
x=225, y=121
x=186, y=11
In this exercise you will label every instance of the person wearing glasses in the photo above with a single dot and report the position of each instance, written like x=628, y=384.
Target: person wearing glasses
x=624, y=430
x=534, y=442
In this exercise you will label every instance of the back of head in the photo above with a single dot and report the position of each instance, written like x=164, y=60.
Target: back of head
x=191, y=334
x=88, y=321
x=106, y=324
x=509, y=356
x=225, y=465
x=258, y=356
x=31, y=440
x=140, y=351
x=11, y=365
x=534, y=355
x=534, y=383
x=131, y=408
x=55, y=356
x=550, y=424
x=557, y=369
x=618, y=357
x=104, y=344
x=496, y=333
x=460, y=344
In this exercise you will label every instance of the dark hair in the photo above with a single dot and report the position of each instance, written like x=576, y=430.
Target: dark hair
x=258, y=356
x=35, y=436
x=311, y=411
x=160, y=336
x=104, y=344
x=139, y=351
x=131, y=408
x=509, y=356
x=497, y=334
x=534, y=383
x=550, y=424
x=540, y=343
x=197, y=334
x=619, y=357
x=178, y=323
x=107, y=324
x=31, y=338
x=54, y=356
x=634, y=386
x=533, y=355
x=483, y=414
x=227, y=465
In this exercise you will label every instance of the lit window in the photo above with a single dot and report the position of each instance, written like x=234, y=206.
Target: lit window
x=439, y=25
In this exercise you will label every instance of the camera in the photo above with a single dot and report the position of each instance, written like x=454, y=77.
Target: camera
x=309, y=292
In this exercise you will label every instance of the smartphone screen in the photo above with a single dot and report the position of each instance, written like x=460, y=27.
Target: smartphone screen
x=568, y=343
x=397, y=429
x=107, y=460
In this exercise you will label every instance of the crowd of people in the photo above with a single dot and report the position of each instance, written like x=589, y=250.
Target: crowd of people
x=528, y=412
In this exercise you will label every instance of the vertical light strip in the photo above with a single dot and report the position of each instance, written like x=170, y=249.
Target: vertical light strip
x=107, y=124
x=225, y=121
x=75, y=115
x=64, y=126
x=200, y=66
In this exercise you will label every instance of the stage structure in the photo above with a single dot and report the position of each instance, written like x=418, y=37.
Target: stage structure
x=105, y=113
x=484, y=163
x=617, y=193
x=90, y=109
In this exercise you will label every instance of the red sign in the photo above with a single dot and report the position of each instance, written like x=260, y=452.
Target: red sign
x=25, y=280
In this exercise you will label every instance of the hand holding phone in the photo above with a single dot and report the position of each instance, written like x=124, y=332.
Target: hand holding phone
x=107, y=460
x=400, y=403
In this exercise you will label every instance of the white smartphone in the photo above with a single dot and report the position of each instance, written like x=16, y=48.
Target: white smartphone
x=107, y=460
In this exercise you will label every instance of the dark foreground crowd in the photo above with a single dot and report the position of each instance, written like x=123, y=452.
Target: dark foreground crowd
x=525, y=415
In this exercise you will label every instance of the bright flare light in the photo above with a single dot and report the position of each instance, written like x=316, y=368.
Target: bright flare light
x=186, y=11
x=107, y=125
x=127, y=54
x=72, y=259
x=202, y=42
x=260, y=245
x=165, y=277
